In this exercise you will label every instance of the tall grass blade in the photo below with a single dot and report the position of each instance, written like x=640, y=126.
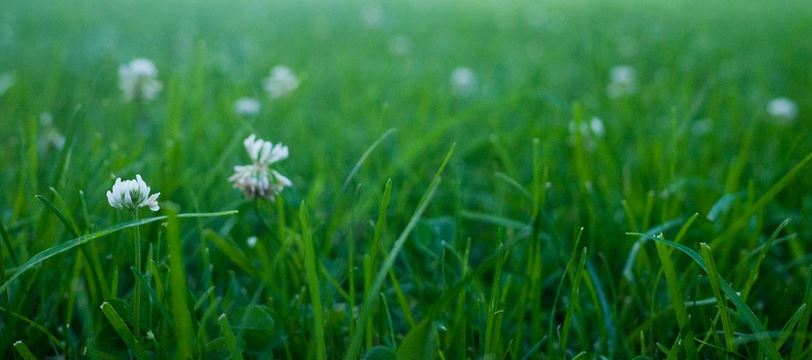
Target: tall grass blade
x=179, y=291
x=123, y=331
x=311, y=271
x=70, y=244
x=370, y=299
x=231, y=340
x=23, y=351
x=743, y=219
x=765, y=343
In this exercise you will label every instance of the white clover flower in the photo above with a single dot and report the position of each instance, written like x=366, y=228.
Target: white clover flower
x=258, y=179
x=247, y=106
x=589, y=131
x=138, y=80
x=264, y=152
x=783, y=109
x=281, y=82
x=623, y=81
x=251, y=241
x=132, y=194
x=596, y=125
x=372, y=15
x=463, y=81
x=50, y=135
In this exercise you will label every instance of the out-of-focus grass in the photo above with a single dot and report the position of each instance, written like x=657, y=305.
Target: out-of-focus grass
x=494, y=266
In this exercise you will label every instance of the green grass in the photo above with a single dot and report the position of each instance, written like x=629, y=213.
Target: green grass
x=436, y=225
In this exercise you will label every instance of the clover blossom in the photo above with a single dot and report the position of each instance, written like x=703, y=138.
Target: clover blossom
x=138, y=79
x=258, y=179
x=624, y=81
x=132, y=194
x=281, y=82
x=247, y=106
x=463, y=81
x=783, y=109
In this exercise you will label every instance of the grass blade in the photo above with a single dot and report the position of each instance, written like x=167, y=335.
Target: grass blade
x=7, y=242
x=365, y=156
x=713, y=275
x=23, y=351
x=312, y=272
x=70, y=244
x=742, y=220
x=677, y=301
x=69, y=223
x=753, y=276
x=121, y=328
x=177, y=283
x=803, y=323
x=786, y=332
x=370, y=299
x=574, y=296
x=746, y=314
x=419, y=343
x=228, y=334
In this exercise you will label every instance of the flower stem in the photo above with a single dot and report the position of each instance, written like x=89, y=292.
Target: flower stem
x=136, y=282
x=262, y=219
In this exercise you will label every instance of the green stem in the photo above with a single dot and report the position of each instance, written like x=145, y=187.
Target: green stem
x=137, y=290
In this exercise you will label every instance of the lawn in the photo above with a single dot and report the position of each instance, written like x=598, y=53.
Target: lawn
x=454, y=179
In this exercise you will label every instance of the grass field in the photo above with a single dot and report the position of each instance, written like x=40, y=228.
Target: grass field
x=470, y=180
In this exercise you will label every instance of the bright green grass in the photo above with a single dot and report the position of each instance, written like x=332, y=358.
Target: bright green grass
x=480, y=228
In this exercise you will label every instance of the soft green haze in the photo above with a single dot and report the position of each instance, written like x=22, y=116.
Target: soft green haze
x=481, y=227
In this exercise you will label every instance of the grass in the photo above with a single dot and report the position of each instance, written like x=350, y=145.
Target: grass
x=437, y=224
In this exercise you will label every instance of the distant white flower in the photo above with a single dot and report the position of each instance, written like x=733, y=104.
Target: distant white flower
x=463, y=81
x=138, y=80
x=596, y=125
x=372, y=15
x=247, y=106
x=783, y=109
x=400, y=45
x=589, y=132
x=251, y=241
x=623, y=81
x=281, y=82
x=258, y=179
x=6, y=82
x=50, y=135
x=132, y=194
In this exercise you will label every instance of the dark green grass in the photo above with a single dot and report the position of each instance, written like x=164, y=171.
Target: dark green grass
x=479, y=228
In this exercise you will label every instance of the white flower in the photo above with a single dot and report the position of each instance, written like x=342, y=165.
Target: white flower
x=138, y=80
x=247, y=106
x=596, y=125
x=264, y=152
x=50, y=135
x=372, y=15
x=783, y=109
x=623, y=81
x=463, y=81
x=258, y=179
x=251, y=241
x=281, y=82
x=132, y=194
x=589, y=132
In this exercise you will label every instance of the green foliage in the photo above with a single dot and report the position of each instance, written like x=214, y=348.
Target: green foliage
x=439, y=223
